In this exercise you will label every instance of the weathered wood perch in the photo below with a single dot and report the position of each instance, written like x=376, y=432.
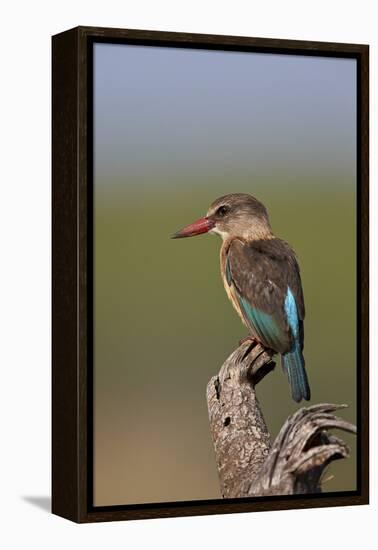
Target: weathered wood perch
x=248, y=463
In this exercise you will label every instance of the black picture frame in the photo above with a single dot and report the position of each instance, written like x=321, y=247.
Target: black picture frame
x=72, y=272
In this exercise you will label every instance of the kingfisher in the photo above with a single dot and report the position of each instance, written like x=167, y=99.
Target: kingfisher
x=261, y=277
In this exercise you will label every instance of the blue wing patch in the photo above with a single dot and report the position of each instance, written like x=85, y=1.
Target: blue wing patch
x=292, y=313
x=262, y=324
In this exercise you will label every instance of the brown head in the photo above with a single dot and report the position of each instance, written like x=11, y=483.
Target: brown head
x=237, y=215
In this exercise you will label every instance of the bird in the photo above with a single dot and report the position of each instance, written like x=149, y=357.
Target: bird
x=262, y=279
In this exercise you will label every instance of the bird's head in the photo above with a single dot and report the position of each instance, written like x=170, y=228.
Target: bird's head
x=235, y=215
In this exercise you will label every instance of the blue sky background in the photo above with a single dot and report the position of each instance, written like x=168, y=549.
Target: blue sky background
x=161, y=112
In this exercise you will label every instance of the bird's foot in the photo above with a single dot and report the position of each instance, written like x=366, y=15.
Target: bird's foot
x=255, y=360
x=250, y=339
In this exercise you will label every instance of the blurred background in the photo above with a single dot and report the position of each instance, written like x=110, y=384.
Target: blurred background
x=173, y=130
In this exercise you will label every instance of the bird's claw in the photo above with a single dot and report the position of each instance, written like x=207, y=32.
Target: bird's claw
x=250, y=339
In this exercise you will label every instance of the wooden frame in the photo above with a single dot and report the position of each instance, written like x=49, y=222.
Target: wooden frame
x=72, y=422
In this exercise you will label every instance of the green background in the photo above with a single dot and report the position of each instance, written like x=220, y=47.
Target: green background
x=163, y=324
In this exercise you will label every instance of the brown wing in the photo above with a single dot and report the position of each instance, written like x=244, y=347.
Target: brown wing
x=261, y=273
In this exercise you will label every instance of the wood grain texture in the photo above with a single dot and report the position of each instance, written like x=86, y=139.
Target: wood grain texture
x=70, y=276
x=363, y=271
x=240, y=435
x=239, y=43
x=64, y=278
x=72, y=271
x=248, y=464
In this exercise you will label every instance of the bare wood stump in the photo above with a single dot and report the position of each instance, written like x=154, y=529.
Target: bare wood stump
x=248, y=463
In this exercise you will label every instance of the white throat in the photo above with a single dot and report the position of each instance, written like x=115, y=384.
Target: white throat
x=216, y=231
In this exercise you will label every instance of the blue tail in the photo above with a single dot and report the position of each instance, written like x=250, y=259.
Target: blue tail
x=293, y=364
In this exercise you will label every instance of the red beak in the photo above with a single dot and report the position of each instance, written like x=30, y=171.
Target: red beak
x=203, y=225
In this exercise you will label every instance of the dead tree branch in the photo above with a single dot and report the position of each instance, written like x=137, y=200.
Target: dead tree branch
x=248, y=463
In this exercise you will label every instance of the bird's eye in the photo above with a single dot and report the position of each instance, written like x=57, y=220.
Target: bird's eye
x=222, y=210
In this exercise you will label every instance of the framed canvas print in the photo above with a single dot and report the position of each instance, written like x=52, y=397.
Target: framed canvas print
x=210, y=274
